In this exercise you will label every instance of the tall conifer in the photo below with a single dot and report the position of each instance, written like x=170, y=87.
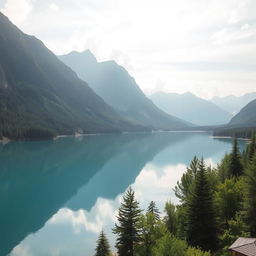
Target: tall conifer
x=103, y=248
x=201, y=226
x=152, y=208
x=235, y=165
x=250, y=199
x=127, y=229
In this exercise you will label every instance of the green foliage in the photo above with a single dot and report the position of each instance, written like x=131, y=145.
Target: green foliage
x=251, y=149
x=151, y=230
x=196, y=252
x=171, y=218
x=127, y=229
x=223, y=168
x=244, y=132
x=169, y=245
x=235, y=165
x=103, y=248
x=228, y=199
x=152, y=208
x=201, y=226
x=250, y=198
x=184, y=187
x=236, y=228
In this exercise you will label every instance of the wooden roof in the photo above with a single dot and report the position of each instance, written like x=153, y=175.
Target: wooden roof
x=246, y=246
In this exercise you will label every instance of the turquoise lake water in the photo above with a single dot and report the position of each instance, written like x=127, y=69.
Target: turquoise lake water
x=56, y=196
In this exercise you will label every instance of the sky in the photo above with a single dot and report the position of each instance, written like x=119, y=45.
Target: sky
x=207, y=47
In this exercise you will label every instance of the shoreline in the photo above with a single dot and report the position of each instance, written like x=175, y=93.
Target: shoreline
x=6, y=140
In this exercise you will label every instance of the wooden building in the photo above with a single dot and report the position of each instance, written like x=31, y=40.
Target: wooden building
x=243, y=247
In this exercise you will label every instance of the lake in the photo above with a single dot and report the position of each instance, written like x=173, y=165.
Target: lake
x=56, y=196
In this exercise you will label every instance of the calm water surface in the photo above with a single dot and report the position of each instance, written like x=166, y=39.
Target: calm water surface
x=55, y=196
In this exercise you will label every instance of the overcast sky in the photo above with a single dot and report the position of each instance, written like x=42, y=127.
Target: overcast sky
x=207, y=47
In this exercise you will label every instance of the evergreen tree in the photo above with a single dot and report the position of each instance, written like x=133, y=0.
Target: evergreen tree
x=127, y=229
x=250, y=199
x=235, y=165
x=201, y=226
x=184, y=187
x=103, y=248
x=152, y=208
x=171, y=219
x=252, y=148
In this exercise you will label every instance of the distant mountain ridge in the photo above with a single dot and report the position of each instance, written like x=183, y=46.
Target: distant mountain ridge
x=38, y=90
x=246, y=117
x=233, y=104
x=242, y=125
x=191, y=108
x=114, y=84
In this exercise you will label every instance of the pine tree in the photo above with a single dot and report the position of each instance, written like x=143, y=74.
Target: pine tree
x=250, y=199
x=103, y=248
x=183, y=188
x=152, y=208
x=201, y=226
x=252, y=148
x=127, y=229
x=235, y=165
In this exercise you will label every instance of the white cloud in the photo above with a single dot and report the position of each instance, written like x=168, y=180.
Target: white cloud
x=162, y=180
x=17, y=10
x=145, y=35
x=53, y=6
x=82, y=220
x=21, y=250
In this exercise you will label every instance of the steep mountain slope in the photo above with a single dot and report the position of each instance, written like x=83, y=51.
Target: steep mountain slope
x=38, y=90
x=191, y=108
x=242, y=125
x=114, y=84
x=233, y=104
x=246, y=117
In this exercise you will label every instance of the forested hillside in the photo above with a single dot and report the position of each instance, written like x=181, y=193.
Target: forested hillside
x=40, y=96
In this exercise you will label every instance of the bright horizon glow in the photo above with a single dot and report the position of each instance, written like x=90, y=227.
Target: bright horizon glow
x=205, y=47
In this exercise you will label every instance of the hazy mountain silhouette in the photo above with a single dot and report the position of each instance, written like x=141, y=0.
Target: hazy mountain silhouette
x=233, y=104
x=191, y=108
x=246, y=117
x=38, y=90
x=114, y=84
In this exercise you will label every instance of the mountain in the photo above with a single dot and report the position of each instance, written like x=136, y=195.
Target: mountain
x=246, y=117
x=242, y=125
x=189, y=107
x=114, y=84
x=37, y=90
x=233, y=104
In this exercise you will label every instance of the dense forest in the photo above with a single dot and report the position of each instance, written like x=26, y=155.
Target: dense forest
x=242, y=132
x=217, y=205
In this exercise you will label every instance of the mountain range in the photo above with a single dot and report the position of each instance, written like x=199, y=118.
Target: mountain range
x=233, y=104
x=191, y=108
x=38, y=90
x=119, y=89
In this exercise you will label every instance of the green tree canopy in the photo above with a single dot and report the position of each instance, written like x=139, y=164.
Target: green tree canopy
x=235, y=165
x=103, y=248
x=127, y=229
x=152, y=208
x=250, y=198
x=201, y=226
